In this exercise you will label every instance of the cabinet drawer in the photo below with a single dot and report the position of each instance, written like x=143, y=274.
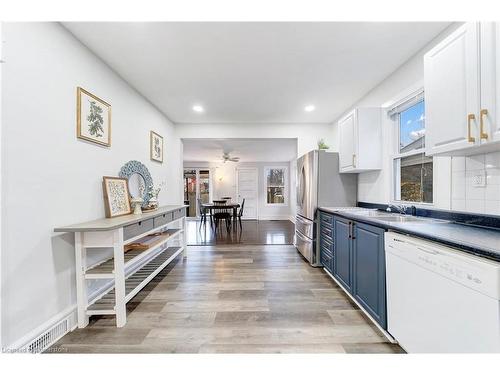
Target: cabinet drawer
x=326, y=218
x=326, y=249
x=326, y=261
x=327, y=232
x=326, y=241
x=138, y=228
x=163, y=219
x=178, y=213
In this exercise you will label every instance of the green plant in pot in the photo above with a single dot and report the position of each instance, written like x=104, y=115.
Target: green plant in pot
x=322, y=145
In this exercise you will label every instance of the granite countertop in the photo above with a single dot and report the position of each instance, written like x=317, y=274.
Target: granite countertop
x=472, y=239
x=117, y=222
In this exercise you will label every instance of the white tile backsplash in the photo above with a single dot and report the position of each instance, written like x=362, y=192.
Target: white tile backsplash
x=475, y=205
x=458, y=204
x=492, y=192
x=458, y=185
x=458, y=164
x=465, y=195
x=492, y=161
x=493, y=176
x=492, y=207
x=474, y=162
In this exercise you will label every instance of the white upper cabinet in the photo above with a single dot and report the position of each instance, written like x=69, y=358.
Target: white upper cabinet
x=452, y=91
x=489, y=115
x=360, y=141
x=461, y=89
x=347, y=144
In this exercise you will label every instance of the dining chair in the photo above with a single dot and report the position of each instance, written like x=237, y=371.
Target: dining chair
x=240, y=213
x=203, y=212
x=222, y=214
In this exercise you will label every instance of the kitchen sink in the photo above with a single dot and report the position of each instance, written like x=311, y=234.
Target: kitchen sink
x=401, y=218
x=392, y=217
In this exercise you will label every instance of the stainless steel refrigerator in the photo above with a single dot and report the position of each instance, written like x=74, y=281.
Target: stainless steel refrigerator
x=319, y=184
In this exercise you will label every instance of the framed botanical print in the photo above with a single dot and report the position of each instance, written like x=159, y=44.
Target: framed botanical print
x=116, y=196
x=156, y=147
x=93, y=118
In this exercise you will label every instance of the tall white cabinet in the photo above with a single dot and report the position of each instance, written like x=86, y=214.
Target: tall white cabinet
x=490, y=82
x=461, y=90
x=360, y=141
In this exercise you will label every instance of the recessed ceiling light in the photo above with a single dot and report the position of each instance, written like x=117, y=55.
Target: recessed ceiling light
x=309, y=108
x=198, y=108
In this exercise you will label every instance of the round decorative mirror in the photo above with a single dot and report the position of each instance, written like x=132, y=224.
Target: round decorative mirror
x=139, y=180
x=136, y=185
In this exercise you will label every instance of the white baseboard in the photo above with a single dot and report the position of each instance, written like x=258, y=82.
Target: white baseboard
x=69, y=313
x=22, y=345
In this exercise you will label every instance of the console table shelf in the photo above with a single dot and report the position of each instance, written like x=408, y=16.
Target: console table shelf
x=105, y=270
x=135, y=282
x=129, y=271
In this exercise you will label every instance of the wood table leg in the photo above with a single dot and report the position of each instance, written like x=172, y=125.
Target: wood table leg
x=119, y=263
x=81, y=286
x=184, y=237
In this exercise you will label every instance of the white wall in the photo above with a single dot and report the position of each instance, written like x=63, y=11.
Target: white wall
x=1, y=196
x=307, y=135
x=49, y=177
x=376, y=186
x=224, y=184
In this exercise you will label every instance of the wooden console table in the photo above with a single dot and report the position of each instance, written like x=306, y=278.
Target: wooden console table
x=129, y=271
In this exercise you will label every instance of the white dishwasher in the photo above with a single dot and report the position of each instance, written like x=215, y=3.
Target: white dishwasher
x=441, y=300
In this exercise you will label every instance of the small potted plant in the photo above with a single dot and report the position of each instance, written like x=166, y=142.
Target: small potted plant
x=322, y=145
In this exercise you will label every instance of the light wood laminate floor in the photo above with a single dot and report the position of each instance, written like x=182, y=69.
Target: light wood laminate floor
x=235, y=299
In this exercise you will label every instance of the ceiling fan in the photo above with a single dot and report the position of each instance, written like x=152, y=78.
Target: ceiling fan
x=226, y=157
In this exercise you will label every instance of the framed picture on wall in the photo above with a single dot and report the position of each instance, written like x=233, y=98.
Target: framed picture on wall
x=116, y=196
x=93, y=118
x=156, y=147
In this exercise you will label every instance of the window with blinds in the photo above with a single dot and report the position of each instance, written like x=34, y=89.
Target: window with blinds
x=413, y=171
x=275, y=185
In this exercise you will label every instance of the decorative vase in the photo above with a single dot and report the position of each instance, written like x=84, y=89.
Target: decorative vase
x=137, y=203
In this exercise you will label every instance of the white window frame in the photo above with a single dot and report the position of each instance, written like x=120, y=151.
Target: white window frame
x=396, y=172
x=286, y=185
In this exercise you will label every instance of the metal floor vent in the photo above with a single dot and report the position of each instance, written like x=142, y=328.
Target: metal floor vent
x=49, y=337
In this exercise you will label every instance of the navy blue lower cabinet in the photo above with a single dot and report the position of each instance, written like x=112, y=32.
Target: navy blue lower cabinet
x=326, y=241
x=326, y=251
x=369, y=270
x=342, y=252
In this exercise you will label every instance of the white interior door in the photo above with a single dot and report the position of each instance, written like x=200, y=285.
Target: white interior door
x=248, y=189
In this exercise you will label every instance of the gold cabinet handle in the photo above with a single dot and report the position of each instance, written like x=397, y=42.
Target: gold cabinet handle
x=470, y=118
x=483, y=135
x=354, y=160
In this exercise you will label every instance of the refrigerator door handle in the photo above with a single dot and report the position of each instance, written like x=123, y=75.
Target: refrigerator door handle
x=302, y=187
x=299, y=219
x=302, y=237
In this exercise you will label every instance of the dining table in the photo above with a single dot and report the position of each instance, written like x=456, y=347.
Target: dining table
x=218, y=206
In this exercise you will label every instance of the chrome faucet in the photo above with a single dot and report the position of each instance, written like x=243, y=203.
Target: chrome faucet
x=400, y=208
